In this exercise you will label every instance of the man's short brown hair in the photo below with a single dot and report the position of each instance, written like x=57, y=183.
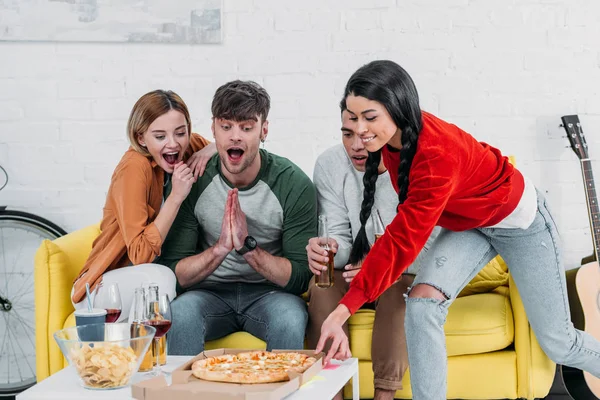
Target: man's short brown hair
x=240, y=101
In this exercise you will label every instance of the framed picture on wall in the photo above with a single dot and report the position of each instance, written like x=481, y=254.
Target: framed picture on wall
x=152, y=21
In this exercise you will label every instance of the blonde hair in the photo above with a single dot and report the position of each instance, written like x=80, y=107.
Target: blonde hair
x=149, y=107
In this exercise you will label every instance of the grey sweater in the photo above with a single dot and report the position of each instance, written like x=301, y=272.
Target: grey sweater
x=339, y=195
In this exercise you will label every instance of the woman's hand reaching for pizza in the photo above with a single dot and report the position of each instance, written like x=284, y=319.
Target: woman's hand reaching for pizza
x=332, y=329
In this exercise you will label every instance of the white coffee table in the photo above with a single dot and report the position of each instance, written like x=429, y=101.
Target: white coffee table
x=65, y=384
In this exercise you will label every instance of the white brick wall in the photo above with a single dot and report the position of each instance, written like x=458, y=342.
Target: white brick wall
x=504, y=72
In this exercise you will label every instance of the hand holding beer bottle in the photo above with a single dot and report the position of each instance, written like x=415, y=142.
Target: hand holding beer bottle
x=325, y=280
x=321, y=251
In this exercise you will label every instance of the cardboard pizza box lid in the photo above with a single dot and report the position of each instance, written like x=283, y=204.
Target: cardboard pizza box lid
x=186, y=386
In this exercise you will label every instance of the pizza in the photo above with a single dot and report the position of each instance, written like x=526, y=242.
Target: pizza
x=252, y=367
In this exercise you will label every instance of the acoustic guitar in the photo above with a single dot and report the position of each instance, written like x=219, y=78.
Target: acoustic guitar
x=583, y=283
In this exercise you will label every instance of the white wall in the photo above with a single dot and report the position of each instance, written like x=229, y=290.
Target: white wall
x=504, y=71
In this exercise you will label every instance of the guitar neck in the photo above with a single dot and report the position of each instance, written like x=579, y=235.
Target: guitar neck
x=592, y=203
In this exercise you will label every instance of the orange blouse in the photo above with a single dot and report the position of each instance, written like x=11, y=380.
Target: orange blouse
x=129, y=235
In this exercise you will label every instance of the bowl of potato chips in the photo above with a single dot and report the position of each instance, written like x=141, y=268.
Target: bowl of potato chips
x=107, y=364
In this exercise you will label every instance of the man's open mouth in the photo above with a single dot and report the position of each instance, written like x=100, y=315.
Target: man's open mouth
x=171, y=158
x=235, y=153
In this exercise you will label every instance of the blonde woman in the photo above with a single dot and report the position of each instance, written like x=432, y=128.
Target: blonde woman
x=146, y=190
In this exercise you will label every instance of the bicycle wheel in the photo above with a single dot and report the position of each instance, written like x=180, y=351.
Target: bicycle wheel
x=20, y=236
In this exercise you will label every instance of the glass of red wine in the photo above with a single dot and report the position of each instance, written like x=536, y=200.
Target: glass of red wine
x=159, y=316
x=108, y=297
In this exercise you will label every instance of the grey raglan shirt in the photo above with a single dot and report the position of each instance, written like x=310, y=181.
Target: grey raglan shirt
x=340, y=194
x=281, y=214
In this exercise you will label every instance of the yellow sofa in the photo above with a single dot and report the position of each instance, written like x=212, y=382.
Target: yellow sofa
x=493, y=353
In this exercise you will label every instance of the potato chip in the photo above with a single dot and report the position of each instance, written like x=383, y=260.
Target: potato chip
x=105, y=365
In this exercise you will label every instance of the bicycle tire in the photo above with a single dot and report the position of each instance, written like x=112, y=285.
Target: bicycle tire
x=32, y=219
x=27, y=222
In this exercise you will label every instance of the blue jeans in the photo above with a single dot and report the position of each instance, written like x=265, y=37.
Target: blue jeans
x=277, y=317
x=534, y=259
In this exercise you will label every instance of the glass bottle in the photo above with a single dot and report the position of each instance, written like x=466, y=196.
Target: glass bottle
x=138, y=327
x=325, y=279
x=162, y=342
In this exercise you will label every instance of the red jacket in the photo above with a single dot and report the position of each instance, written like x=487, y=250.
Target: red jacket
x=455, y=182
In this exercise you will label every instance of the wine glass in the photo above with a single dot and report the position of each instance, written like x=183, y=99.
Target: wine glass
x=108, y=297
x=159, y=316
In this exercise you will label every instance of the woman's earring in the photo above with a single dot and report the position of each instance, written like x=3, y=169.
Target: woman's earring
x=263, y=143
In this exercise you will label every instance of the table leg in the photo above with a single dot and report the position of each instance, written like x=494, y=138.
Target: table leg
x=355, y=391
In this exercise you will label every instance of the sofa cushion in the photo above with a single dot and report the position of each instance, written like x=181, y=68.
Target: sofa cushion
x=70, y=321
x=76, y=247
x=237, y=340
x=53, y=274
x=475, y=376
x=480, y=323
x=493, y=275
x=476, y=324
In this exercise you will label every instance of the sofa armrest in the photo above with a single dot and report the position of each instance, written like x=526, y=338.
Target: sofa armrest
x=56, y=265
x=535, y=371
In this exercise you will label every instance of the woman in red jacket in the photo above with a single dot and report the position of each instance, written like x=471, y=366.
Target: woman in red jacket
x=445, y=177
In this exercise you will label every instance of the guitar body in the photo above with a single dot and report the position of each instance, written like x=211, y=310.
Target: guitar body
x=583, y=283
x=587, y=282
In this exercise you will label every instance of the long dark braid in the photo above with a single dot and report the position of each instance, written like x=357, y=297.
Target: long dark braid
x=407, y=153
x=390, y=85
x=361, y=245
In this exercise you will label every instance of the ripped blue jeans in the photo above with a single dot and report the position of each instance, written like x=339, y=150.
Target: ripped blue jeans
x=534, y=260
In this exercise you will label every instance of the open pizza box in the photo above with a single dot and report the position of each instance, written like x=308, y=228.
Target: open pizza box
x=186, y=386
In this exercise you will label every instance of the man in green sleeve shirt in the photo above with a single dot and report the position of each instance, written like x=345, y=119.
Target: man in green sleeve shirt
x=238, y=243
